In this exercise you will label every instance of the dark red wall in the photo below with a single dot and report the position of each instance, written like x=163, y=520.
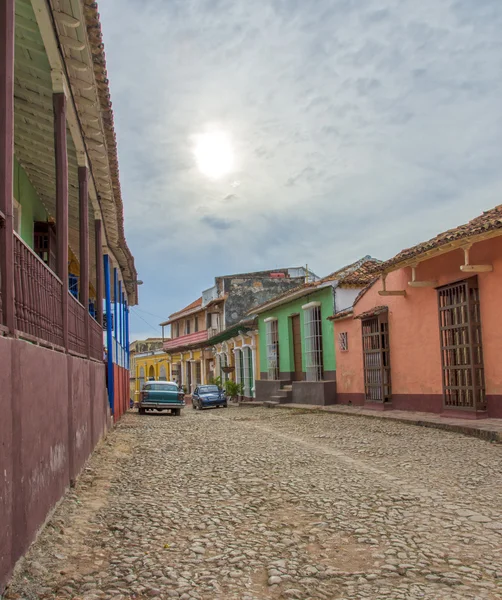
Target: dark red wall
x=54, y=411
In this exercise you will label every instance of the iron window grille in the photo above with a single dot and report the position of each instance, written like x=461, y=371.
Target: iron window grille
x=248, y=372
x=198, y=373
x=343, y=341
x=376, y=358
x=163, y=373
x=272, y=338
x=313, y=342
x=238, y=366
x=223, y=363
x=461, y=346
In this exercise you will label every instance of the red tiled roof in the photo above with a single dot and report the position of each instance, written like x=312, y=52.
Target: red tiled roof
x=362, y=275
x=489, y=221
x=343, y=314
x=191, y=306
x=373, y=312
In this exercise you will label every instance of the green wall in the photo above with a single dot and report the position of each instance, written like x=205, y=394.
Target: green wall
x=32, y=208
x=282, y=313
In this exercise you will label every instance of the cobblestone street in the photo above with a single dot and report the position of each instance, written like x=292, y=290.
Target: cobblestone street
x=254, y=503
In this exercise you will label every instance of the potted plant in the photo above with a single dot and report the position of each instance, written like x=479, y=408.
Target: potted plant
x=233, y=390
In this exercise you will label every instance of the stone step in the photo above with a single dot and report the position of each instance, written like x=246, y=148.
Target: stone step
x=271, y=403
x=287, y=388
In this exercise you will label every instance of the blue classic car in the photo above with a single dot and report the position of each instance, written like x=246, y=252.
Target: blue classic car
x=161, y=395
x=205, y=396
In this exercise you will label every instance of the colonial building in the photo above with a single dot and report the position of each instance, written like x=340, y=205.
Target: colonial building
x=220, y=308
x=62, y=250
x=427, y=334
x=297, y=352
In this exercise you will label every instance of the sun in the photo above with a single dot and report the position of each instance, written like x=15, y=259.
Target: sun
x=214, y=154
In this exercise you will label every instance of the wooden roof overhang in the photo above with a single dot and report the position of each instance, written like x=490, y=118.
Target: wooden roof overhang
x=58, y=48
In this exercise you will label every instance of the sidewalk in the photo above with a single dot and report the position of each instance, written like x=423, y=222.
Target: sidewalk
x=487, y=429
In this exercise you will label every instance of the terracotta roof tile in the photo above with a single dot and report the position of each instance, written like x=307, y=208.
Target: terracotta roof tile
x=490, y=220
x=373, y=312
x=191, y=306
x=343, y=314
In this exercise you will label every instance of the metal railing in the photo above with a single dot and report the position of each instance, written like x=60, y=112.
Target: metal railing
x=77, y=316
x=37, y=296
x=95, y=339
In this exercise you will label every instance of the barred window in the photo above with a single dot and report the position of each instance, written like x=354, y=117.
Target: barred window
x=198, y=373
x=343, y=341
x=238, y=366
x=248, y=372
x=272, y=336
x=313, y=341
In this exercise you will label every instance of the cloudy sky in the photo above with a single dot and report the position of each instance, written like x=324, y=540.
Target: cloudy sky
x=271, y=133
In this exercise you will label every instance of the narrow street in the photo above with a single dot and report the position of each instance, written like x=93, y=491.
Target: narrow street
x=252, y=504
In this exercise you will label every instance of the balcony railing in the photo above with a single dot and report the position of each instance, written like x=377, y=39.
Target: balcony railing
x=186, y=340
x=76, y=326
x=38, y=295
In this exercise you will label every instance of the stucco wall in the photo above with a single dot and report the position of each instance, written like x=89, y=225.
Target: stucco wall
x=414, y=330
x=51, y=425
x=246, y=292
x=282, y=313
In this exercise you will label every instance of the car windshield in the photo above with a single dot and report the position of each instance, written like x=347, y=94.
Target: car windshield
x=208, y=389
x=158, y=387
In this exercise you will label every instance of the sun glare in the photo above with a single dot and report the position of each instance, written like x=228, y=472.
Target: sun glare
x=214, y=154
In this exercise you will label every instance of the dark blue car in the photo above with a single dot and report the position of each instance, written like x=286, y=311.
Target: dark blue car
x=205, y=396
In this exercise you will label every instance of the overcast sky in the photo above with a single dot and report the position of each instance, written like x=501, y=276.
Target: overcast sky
x=357, y=127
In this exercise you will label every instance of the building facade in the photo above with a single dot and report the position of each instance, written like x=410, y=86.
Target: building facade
x=222, y=307
x=297, y=351
x=62, y=251
x=426, y=335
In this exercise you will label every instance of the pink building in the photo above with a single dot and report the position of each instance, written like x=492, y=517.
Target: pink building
x=427, y=334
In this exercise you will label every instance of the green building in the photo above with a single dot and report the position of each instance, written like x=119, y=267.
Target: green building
x=297, y=346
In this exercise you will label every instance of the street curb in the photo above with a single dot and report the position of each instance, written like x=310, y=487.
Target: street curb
x=484, y=434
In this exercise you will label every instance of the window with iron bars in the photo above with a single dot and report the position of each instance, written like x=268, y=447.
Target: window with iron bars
x=198, y=373
x=343, y=341
x=272, y=338
x=247, y=356
x=223, y=363
x=238, y=365
x=313, y=342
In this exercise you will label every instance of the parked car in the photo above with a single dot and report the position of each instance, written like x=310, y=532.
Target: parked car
x=205, y=396
x=161, y=395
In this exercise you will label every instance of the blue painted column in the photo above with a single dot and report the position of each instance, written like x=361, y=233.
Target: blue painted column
x=116, y=313
x=120, y=325
x=127, y=338
x=109, y=336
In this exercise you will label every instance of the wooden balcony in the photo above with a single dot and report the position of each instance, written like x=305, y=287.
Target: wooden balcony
x=186, y=340
x=38, y=295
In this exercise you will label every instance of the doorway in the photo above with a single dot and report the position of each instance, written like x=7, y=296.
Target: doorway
x=296, y=331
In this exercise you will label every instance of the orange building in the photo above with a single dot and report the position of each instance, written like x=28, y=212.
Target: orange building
x=426, y=335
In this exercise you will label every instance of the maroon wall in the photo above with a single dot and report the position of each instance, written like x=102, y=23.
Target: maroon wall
x=54, y=411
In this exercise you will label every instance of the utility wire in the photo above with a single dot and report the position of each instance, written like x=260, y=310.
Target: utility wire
x=156, y=329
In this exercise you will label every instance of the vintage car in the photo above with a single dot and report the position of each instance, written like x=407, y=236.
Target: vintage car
x=205, y=396
x=161, y=395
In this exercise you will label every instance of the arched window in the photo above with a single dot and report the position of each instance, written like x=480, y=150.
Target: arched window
x=151, y=372
x=163, y=373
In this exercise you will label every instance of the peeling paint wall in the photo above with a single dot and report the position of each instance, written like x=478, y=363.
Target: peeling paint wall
x=246, y=292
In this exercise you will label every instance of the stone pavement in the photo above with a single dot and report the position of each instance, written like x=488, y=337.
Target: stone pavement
x=261, y=504
x=488, y=429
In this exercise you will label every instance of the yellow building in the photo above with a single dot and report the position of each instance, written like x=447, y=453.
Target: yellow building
x=152, y=365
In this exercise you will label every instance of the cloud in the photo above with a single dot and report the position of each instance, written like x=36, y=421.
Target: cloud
x=358, y=127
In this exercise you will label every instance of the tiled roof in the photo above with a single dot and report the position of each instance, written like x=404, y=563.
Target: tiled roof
x=194, y=304
x=343, y=314
x=347, y=270
x=362, y=275
x=93, y=26
x=489, y=221
x=373, y=312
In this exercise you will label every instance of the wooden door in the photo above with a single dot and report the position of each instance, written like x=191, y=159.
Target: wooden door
x=297, y=347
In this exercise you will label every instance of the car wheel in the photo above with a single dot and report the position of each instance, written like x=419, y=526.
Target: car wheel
x=141, y=411
x=194, y=406
x=225, y=405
